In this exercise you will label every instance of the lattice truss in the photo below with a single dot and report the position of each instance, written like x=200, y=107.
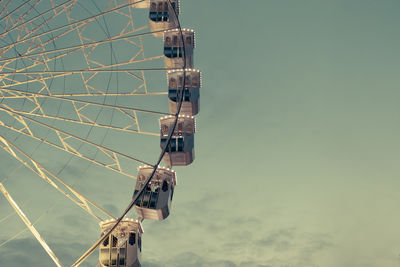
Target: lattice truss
x=70, y=64
x=42, y=79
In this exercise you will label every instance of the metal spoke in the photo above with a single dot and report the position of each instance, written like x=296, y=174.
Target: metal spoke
x=79, y=107
x=5, y=8
x=29, y=225
x=64, y=136
x=80, y=46
x=26, y=229
x=12, y=213
x=36, y=17
x=67, y=149
x=64, y=98
x=82, y=22
x=86, y=71
x=50, y=178
x=17, y=8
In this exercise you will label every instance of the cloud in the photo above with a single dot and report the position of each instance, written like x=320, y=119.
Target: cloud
x=240, y=242
x=19, y=253
x=191, y=259
x=281, y=239
x=198, y=234
x=203, y=234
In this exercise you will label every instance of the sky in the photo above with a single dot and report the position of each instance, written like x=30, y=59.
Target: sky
x=297, y=146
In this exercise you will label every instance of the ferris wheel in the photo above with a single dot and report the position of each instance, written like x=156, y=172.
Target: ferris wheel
x=83, y=94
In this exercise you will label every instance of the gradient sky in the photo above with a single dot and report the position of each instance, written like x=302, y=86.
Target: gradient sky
x=297, y=149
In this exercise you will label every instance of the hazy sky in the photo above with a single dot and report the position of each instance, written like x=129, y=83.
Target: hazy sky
x=297, y=147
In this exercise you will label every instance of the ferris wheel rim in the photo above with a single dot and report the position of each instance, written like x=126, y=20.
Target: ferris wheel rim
x=180, y=94
x=156, y=165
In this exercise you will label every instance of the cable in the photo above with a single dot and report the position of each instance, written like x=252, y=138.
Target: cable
x=135, y=197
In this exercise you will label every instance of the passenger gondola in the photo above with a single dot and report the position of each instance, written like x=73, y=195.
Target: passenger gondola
x=161, y=15
x=191, y=93
x=180, y=150
x=155, y=201
x=123, y=246
x=173, y=48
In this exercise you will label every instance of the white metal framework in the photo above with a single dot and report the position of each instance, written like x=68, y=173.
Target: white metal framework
x=72, y=74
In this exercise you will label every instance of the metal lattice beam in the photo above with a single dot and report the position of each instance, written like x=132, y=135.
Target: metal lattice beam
x=51, y=178
x=29, y=225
